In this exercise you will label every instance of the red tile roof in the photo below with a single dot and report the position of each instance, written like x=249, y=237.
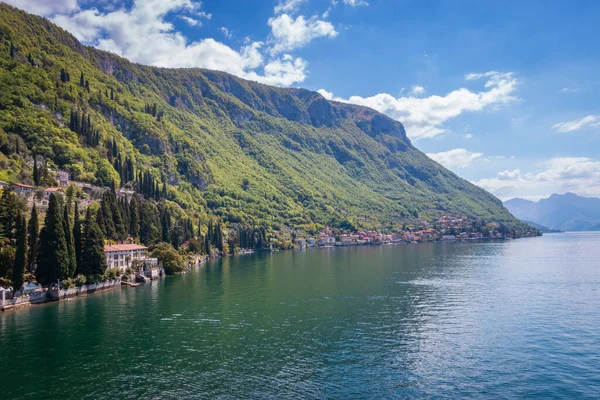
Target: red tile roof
x=123, y=247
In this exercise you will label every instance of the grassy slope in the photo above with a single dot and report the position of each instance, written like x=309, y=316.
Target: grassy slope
x=306, y=159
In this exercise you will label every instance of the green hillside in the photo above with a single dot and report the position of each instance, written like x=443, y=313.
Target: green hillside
x=240, y=150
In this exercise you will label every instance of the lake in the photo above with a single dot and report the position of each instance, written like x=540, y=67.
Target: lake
x=502, y=319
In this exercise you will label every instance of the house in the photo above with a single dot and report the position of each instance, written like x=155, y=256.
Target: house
x=3, y=184
x=330, y=241
x=124, y=193
x=122, y=255
x=301, y=242
x=86, y=187
x=312, y=242
x=22, y=189
x=50, y=190
x=62, y=177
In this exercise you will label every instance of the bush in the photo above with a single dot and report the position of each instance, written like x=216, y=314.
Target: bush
x=80, y=280
x=170, y=259
x=67, y=284
x=112, y=273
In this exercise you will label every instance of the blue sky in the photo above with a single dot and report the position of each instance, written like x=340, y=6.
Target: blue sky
x=502, y=93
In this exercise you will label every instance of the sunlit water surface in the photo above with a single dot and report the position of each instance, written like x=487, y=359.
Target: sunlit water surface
x=498, y=319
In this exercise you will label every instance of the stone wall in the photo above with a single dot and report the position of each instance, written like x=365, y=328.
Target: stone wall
x=56, y=295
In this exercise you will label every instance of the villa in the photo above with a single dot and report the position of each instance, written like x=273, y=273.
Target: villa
x=122, y=255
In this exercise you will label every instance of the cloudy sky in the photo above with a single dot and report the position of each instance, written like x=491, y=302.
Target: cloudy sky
x=502, y=93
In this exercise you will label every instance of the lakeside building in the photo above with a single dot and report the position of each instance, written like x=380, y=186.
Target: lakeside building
x=123, y=256
x=22, y=189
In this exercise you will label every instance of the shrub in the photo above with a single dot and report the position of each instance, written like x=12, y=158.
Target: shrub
x=67, y=284
x=171, y=261
x=80, y=280
x=112, y=273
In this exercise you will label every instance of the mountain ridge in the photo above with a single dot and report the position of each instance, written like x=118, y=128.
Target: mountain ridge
x=240, y=150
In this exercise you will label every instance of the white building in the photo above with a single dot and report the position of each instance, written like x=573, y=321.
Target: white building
x=62, y=177
x=22, y=189
x=122, y=255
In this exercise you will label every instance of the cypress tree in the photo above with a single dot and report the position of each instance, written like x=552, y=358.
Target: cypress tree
x=36, y=172
x=81, y=80
x=120, y=229
x=12, y=51
x=93, y=260
x=33, y=232
x=134, y=216
x=219, y=236
x=206, y=245
x=166, y=227
x=77, y=238
x=53, y=255
x=9, y=211
x=72, y=263
x=107, y=216
x=20, y=257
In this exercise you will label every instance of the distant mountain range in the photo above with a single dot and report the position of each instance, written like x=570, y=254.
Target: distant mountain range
x=566, y=212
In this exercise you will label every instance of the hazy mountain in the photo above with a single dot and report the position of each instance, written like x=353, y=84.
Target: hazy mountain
x=567, y=212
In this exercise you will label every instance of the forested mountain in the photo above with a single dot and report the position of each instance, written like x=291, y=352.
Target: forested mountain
x=566, y=212
x=212, y=143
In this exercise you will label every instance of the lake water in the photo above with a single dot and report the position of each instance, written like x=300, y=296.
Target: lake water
x=506, y=319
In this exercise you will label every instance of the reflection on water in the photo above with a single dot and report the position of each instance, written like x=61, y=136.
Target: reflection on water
x=510, y=319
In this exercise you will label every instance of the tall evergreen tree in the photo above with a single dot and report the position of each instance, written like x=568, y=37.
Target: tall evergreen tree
x=36, y=171
x=134, y=216
x=12, y=51
x=33, y=233
x=77, y=238
x=150, y=223
x=115, y=210
x=93, y=260
x=53, y=255
x=10, y=209
x=20, y=257
x=72, y=263
x=81, y=80
x=108, y=224
x=166, y=226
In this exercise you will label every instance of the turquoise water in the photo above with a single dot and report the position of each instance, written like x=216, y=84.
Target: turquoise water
x=510, y=319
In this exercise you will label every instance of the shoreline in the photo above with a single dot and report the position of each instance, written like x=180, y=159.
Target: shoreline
x=56, y=296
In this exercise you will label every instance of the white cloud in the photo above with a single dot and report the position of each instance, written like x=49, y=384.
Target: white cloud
x=191, y=21
x=468, y=136
x=570, y=126
x=45, y=7
x=580, y=175
x=355, y=3
x=226, y=32
x=288, y=6
x=352, y=3
x=423, y=117
x=455, y=158
x=288, y=33
x=326, y=94
x=417, y=90
x=128, y=32
x=570, y=90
